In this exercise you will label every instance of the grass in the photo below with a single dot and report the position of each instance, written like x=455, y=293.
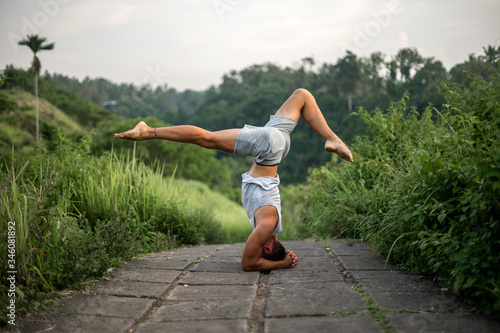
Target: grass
x=77, y=215
x=17, y=120
x=26, y=101
x=231, y=214
x=375, y=312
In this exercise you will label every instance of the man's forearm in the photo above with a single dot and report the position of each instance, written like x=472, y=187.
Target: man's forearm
x=264, y=265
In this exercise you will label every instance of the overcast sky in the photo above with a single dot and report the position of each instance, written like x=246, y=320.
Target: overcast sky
x=190, y=44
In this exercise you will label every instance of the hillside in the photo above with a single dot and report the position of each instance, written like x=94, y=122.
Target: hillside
x=17, y=120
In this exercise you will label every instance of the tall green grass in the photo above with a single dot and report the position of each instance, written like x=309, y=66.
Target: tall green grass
x=232, y=216
x=76, y=215
x=424, y=188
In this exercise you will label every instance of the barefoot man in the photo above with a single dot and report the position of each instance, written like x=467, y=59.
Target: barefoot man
x=267, y=145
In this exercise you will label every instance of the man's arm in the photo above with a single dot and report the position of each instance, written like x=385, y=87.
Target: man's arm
x=252, y=254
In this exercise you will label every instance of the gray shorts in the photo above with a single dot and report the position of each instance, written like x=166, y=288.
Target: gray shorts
x=267, y=145
x=259, y=192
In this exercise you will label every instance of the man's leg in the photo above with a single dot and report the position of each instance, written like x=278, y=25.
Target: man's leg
x=302, y=102
x=220, y=140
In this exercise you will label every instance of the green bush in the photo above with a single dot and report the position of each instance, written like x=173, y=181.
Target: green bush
x=6, y=103
x=425, y=188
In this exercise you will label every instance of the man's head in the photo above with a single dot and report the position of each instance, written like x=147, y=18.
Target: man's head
x=274, y=250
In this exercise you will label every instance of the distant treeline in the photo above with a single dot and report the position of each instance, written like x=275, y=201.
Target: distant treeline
x=251, y=94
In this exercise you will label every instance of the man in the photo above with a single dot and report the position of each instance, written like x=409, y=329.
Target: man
x=260, y=194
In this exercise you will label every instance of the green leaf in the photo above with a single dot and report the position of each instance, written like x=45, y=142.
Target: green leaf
x=459, y=281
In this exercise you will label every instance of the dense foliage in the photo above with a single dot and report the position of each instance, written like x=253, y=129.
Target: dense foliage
x=251, y=94
x=76, y=215
x=424, y=188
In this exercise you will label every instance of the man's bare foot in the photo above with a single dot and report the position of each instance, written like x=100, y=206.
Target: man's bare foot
x=338, y=147
x=138, y=133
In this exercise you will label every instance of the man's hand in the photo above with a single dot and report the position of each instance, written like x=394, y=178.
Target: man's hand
x=291, y=259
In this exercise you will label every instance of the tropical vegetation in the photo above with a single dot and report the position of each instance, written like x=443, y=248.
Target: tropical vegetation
x=423, y=188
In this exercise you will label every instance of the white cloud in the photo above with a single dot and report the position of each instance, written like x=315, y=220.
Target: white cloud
x=190, y=42
x=89, y=15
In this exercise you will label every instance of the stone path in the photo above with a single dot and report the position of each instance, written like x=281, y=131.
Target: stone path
x=339, y=288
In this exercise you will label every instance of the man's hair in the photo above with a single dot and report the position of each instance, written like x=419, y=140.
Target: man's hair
x=278, y=252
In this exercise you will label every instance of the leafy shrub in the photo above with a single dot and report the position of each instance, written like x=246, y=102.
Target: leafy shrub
x=6, y=104
x=425, y=188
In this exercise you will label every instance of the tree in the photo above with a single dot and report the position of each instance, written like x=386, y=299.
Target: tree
x=372, y=67
x=408, y=59
x=36, y=44
x=349, y=75
x=3, y=77
x=491, y=54
x=308, y=62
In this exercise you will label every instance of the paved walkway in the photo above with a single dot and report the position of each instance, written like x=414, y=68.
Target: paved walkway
x=337, y=288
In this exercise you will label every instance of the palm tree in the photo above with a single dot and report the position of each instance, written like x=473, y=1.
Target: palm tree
x=491, y=54
x=36, y=44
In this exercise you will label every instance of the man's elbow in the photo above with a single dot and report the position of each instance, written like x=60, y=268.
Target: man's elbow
x=247, y=265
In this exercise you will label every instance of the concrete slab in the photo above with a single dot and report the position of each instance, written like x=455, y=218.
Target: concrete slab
x=401, y=284
x=314, y=298
x=346, y=248
x=209, y=266
x=158, y=264
x=236, y=257
x=317, y=264
x=302, y=245
x=443, y=322
x=212, y=292
x=366, y=266
x=189, y=253
x=362, y=275
x=205, y=326
x=57, y=323
x=346, y=324
x=349, y=245
x=349, y=252
x=131, y=289
x=362, y=258
x=408, y=301
x=309, y=252
x=314, y=305
x=220, y=278
x=145, y=275
x=291, y=275
x=112, y=306
x=206, y=309
x=228, y=253
x=313, y=288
